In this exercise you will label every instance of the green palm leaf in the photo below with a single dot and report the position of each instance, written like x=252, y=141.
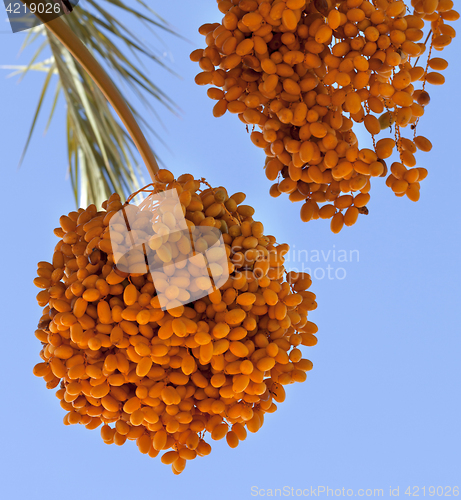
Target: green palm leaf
x=101, y=155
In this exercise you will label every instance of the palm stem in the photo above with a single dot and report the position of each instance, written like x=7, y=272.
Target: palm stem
x=74, y=45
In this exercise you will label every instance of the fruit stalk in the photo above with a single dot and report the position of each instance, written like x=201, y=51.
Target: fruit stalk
x=74, y=45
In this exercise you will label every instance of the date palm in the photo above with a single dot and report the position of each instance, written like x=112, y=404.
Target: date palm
x=101, y=155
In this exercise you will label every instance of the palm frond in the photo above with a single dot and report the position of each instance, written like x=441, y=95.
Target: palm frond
x=101, y=155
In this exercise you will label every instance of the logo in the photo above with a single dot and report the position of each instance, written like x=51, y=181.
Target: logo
x=23, y=17
x=186, y=263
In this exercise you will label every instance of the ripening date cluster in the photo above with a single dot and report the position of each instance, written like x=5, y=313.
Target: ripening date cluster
x=171, y=379
x=303, y=73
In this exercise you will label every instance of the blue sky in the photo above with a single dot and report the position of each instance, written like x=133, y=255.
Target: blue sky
x=380, y=408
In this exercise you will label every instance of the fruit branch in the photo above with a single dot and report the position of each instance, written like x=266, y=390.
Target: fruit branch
x=66, y=36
